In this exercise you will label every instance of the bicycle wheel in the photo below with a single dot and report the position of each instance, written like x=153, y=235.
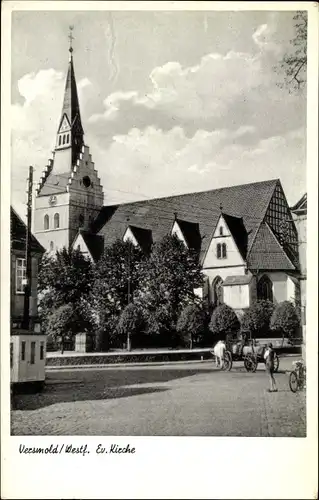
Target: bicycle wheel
x=228, y=362
x=293, y=381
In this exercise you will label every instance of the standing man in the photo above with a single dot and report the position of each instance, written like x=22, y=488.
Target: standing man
x=269, y=356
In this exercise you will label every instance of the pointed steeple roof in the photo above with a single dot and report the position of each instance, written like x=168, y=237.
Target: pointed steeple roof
x=70, y=131
x=71, y=106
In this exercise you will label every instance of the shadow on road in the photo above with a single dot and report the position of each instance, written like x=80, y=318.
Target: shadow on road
x=98, y=385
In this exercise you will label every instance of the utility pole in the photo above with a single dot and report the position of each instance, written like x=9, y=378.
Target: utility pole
x=27, y=288
x=128, y=342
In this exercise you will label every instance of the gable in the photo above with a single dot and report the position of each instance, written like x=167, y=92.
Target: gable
x=80, y=244
x=176, y=231
x=129, y=236
x=223, y=236
x=279, y=219
x=65, y=125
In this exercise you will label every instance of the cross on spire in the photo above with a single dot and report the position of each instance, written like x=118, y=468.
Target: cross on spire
x=71, y=38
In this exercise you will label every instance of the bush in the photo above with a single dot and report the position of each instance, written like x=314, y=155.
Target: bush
x=62, y=324
x=285, y=320
x=130, y=323
x=256, y=319
x=190, y=325
x=224, y=322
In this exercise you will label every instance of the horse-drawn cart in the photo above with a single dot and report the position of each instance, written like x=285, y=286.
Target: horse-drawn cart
x=251, y=352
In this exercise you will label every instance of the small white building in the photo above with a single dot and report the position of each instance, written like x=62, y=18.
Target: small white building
x=27, y=357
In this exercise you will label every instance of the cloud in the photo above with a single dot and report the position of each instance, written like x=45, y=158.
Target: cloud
x=218, y=122
x=34, y=124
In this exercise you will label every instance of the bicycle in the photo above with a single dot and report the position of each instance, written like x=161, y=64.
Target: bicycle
x=297, y=378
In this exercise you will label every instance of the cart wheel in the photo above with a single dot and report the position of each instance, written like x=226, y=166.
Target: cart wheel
x=250, y=363
x=276, y=363
x=228, y=362
x=293, y=381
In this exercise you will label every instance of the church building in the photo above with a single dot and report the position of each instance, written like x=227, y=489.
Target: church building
x=245, y=236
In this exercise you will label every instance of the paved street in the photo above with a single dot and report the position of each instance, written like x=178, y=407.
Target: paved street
x=189, y=399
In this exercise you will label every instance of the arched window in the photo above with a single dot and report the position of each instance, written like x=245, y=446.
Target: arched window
x=64, y=137
x=81, y=220
x=218, y=292
x=67, y=138
x=264, y=288
x=60, y=140
x=56, y=221
x=224, y=251
x=221, y=231
x=46, y=222
x=79, y=248
x=219, y=251
x=51, y=245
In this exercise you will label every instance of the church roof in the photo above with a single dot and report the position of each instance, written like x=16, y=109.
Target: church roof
x=71, y=106
x=246, y=201
x=267, y=253
x=55, y=184
x=94, y=243
x=237, y=228
x=191, y=233
x=143, y=238
x=18, y=234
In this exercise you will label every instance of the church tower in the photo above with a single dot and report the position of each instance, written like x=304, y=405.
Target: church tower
x=69, y=194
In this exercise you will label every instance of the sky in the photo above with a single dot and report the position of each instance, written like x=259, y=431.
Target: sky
x=171, y=102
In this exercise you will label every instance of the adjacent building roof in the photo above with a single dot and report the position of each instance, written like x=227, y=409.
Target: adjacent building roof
x=300, y=208
x=248, y=202
x=243, y=279
x=267, y=253
x=18, y=235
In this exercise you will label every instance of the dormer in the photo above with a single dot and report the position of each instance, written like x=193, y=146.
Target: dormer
x=139, y=237
x=188, y=233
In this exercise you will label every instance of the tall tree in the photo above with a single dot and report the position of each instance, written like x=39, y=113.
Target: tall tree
x=65, y=278
x=116, y=277
x=294, y=62
x=168, y=280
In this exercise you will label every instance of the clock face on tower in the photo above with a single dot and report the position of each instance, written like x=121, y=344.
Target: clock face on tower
x=52, y=200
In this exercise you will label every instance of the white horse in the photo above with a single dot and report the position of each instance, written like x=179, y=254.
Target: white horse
x=219, y=353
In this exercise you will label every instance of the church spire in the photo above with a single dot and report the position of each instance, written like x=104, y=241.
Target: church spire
x=70, y=131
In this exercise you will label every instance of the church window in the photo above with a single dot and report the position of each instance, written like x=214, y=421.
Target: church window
x=60, y=139
x=51, y=245
x=21, y=274
x=81, y=220
x=67, y=138
x=64, y=137
x=221, y=251
x=46, y=222
x=79, y=248
x=221, y=231
x=264, y=288
x=218, y=292
x=224, y=251
x=56, y=221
